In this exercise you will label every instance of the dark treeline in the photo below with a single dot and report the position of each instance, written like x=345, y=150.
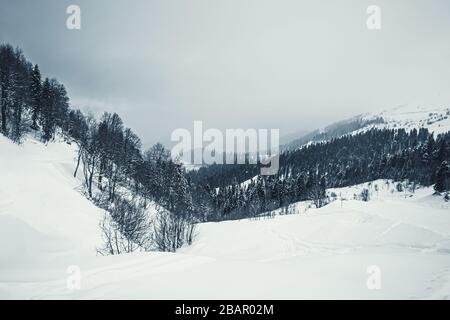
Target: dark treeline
x=229, y=174
x=27, y=101
x=305, y=173
x=117, y=175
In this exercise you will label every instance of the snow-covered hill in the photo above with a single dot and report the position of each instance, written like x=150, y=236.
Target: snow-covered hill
x=434, y=118
x=46, y=226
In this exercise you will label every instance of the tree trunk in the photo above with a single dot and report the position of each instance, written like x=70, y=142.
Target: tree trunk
x=3, y=102
x=91, y=175
x=78, y=163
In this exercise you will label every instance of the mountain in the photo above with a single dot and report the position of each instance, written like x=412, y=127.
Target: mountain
x=331, y=131
x=434, y=118
x=290, y=137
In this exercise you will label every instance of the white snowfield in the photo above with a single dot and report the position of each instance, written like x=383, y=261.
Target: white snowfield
x=48, y=228
x=435, y=118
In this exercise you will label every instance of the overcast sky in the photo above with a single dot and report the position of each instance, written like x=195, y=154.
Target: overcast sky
x=293, y=65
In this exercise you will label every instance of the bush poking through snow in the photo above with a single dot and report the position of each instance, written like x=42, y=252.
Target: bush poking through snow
x=172, y=231
x=126, y=228
x=365, y=195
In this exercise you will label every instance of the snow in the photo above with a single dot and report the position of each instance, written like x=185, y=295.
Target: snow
x=436, y=118
x=47, y=225
x=39, y=194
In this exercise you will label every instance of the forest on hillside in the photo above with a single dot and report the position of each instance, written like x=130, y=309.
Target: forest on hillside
x=305, y=173
x=118, y=175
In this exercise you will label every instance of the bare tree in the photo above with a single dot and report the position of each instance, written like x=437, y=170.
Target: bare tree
x=172, y=231
x=126, y=228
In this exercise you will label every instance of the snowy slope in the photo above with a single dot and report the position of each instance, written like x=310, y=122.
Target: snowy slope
x=435, y=118
x=38, y=195
x=46, y=225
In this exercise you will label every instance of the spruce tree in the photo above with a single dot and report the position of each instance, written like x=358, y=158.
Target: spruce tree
x=443, y=178
x=36, y=95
